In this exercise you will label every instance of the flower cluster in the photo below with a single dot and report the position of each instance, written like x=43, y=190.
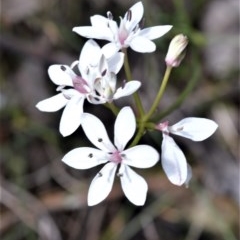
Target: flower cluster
x=95, y=80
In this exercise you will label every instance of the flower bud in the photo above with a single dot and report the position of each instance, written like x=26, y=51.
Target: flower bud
x=176, y=51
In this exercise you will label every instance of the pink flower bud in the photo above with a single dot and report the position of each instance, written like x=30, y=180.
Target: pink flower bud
x=176, y=51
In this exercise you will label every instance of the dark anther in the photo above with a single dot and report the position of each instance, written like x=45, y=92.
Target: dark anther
x=100, y=174
x=63, y=68
x=110, y=16
x=104, y=72
x=100, y=140
x=119, y=174
x=87, y=71
x=90, y=155
x=96, y=98
x=123, y=155
x=124, y=83
x=129, y=15
x=142, y=23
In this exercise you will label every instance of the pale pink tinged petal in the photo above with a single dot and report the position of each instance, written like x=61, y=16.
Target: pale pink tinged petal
x=134, y=186
x=71, y=116
x=102, y=184
x=61, y=74
x=124, y=127
x=173, y=161
x=155, y=32
x=142, y=44
x=96, y=132
x=116, y=62
x=85, y=158
x=128, y=89
x=110, y=49
x=141, y=156
x=136, y=15
x=94, y=32
x=114, y=28
x=196, y=129
x=90, y=55
x=52, y=104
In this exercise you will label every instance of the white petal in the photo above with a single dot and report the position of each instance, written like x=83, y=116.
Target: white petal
x=155, y=32
x=101, y=185
x=52, y=104
x=60, y=76
x=96, y=132
x=141, y=156
x=128, y=89
x=85, y=157
x=196, y=129
x=136, y=15
x=90, y=55
x=134, y=186
x=71, y=116
x=99, y=21
x=109, y=49
x=124, y=127
x=94, y=32
x=116, y=62
x=142, y=44
x=173, y=161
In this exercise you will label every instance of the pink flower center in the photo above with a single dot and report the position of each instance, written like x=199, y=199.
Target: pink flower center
x=163, y=127
x=116, y=157
x=80, y=85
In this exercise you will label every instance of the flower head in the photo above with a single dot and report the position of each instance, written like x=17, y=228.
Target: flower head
x=176, y=50
x=97, y=76
x=113, y=155
x=127, y=34
x=173, y=160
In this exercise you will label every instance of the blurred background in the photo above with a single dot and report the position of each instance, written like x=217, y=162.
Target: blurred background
x=41, y=198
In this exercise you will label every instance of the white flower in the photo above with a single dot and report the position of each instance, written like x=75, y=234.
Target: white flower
x=106, y=82
x=173, y=160
x=83, y=86
x=128, y=34
x=141, y=156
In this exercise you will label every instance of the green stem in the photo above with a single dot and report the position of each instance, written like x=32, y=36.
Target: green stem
x=181, y=97
x=112, y=107
x=129, y=78
x=159, y=95
x=143, y=121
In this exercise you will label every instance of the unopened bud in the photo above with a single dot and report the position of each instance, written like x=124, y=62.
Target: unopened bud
x=176, y=50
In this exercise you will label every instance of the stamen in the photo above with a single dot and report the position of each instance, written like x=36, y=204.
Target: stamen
x=142, y=23
x=129, y=15
x=60, y=88
x=100, y=174
x=90, y=155
x=119, y=174
x=100, y=139
x=63, y=68
x=124, y=83
x=110, y=16
x=104, y=72
x=180, y=128
x=68, y=97
x=87, y=70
